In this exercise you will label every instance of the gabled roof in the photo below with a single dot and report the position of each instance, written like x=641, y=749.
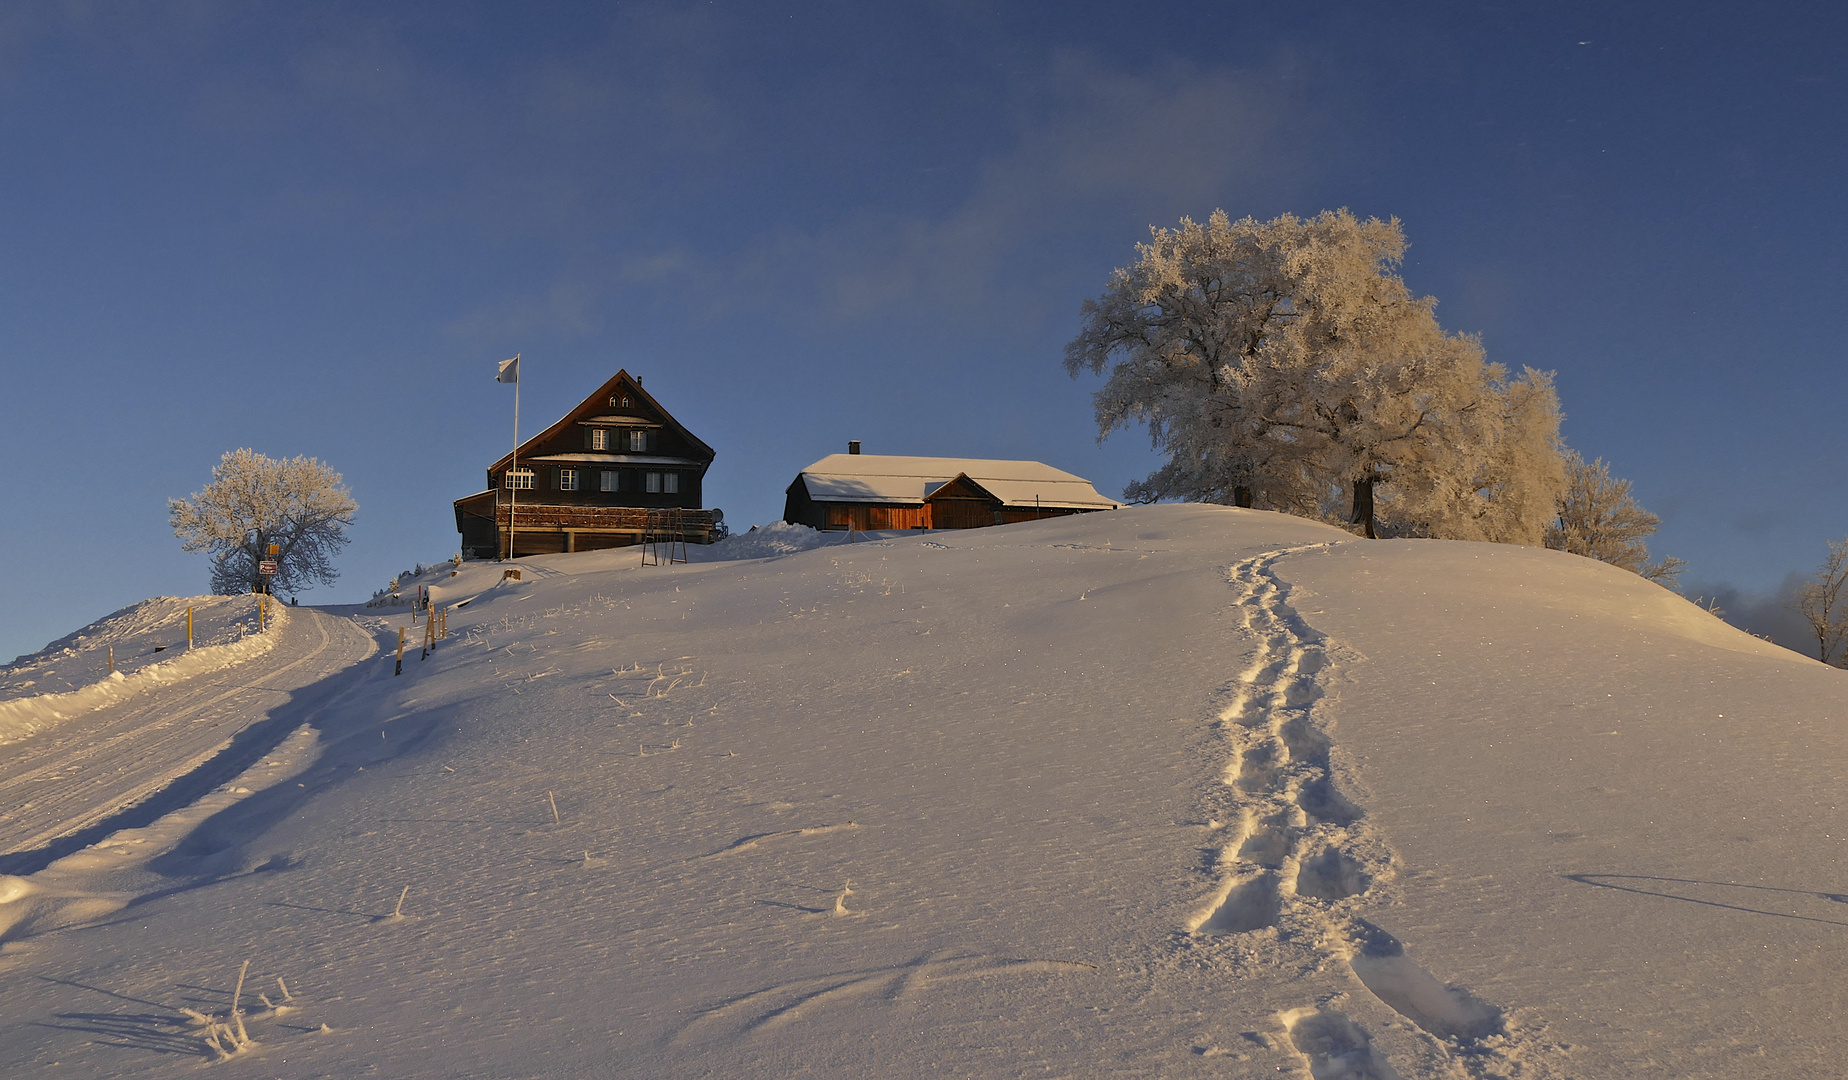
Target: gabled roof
x=596, y=408
x=910, y=480
x=960, y=486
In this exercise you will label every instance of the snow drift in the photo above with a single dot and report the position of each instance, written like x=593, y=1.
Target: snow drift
x=224, y=633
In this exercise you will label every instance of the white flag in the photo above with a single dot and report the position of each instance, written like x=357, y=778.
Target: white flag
x=509, y=371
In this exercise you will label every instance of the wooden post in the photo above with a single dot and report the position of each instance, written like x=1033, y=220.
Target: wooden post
x=189, y=629
x=112, y=659
x=400, y=668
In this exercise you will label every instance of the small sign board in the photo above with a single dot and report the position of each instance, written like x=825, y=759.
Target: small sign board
x=267, y=568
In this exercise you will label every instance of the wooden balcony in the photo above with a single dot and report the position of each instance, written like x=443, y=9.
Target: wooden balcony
x=550, y=528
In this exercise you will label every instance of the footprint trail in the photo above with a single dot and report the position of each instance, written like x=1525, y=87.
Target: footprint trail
x=1300, y=861
x=1298, y=836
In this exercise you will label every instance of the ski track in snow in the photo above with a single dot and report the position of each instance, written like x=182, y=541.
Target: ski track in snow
x=135, y=628
x=1301, y=859
x=72, y=778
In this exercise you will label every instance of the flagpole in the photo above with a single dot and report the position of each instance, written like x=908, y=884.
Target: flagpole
x=510, y=480
x=513, y=492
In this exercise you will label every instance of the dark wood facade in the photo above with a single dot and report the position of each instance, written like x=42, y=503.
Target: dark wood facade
x=614, y=469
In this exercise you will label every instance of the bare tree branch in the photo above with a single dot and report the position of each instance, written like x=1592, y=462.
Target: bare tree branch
x=1820, y=598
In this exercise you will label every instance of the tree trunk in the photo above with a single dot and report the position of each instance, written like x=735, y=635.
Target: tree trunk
x=1241, y=496
x=1363, y=507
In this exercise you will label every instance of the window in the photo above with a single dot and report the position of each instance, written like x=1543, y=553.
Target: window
x=520, y=479
x=610, y=480
x=599, y=439
x=567, y=480
x=654, y=482
x=670, y=483
x=621, y=401
x=638, y=441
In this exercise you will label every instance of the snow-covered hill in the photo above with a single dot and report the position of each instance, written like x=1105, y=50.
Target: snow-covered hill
x=141, y=647
x=1168, y=791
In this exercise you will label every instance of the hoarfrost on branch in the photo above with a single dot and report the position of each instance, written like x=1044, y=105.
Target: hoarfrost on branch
x=253, y=501
x=1284, y=365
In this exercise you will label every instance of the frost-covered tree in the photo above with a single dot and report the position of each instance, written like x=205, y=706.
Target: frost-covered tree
x=1284, y=365
x=254, y=501
x=1519, y=478
x=1823, y=602
x=1599, y=519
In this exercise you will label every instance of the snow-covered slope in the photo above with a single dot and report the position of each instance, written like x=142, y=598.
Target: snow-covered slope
x=1174, y=791
x=146, y=643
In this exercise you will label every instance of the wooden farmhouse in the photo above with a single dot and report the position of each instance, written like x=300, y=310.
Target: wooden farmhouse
x=865, y=492
x=615, y=469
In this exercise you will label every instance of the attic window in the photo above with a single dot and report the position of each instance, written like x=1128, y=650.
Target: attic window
x=621, y=401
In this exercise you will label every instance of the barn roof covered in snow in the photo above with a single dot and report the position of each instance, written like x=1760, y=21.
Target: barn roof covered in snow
x=887, y=478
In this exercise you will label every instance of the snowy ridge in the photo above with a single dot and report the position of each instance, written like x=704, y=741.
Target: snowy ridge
x=1300, y=860
x=23, y=717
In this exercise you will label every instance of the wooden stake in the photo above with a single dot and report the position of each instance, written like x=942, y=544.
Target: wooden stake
x=237, y=995
x=112, y=659
x=189, y=628
x=555, y=818
x=400, y=668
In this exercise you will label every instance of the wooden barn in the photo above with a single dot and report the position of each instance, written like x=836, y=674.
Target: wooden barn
x=875, y=491
x=614, y=469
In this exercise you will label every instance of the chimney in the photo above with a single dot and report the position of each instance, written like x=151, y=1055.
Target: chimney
x=853, y=446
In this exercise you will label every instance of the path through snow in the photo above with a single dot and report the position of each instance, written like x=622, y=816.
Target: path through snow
x=1300, y=855
x=67, y=786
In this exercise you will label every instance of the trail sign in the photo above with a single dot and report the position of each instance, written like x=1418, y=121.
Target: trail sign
x=267, y=568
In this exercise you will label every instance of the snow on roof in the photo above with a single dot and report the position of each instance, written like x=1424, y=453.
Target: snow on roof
x=895, y=479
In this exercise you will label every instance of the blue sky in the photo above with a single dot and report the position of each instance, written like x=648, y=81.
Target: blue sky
x=314, y=229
